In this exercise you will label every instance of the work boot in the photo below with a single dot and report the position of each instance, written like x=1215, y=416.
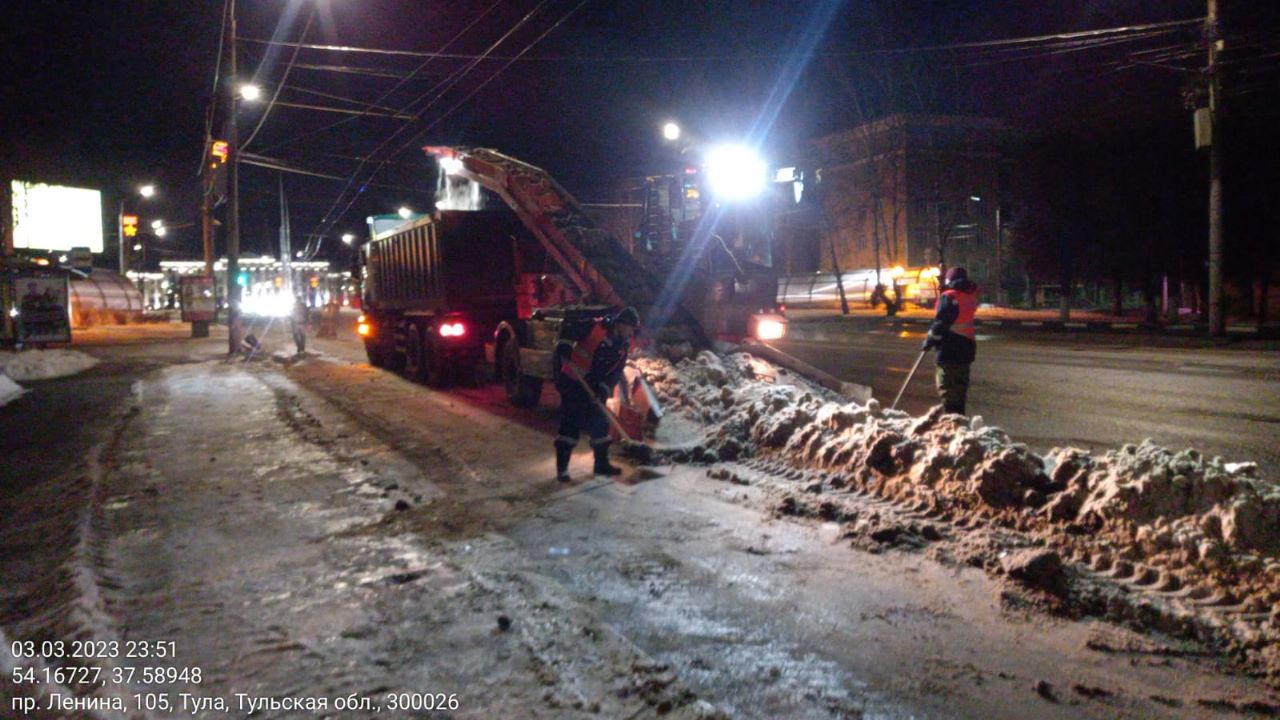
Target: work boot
x=563, y=453
x=602, y=466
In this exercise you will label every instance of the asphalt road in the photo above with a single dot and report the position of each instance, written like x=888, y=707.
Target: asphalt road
x=1091, y=391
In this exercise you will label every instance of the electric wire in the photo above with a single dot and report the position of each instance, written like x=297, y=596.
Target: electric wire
x=213, y=94
x=441, y=88
x=749, y=56
x=417, y=70
x=311, y=16
x=439, y=118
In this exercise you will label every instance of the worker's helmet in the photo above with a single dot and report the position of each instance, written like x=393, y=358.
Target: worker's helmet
x=956, y=276
x=627, y=316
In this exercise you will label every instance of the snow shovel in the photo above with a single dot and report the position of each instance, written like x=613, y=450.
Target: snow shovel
x=910, y=375
x=630, y=446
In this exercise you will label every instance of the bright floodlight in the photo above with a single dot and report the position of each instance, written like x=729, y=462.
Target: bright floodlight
x=671, y=131
x=405, y=212
x=147, y=191
x=137, y=247
x=735, y=172
x=161, y=231
x=450, y=165
x=250, y=92
x=348, y=238
x=156, y=224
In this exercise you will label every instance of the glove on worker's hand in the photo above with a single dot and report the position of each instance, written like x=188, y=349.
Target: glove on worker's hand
x=930, y=342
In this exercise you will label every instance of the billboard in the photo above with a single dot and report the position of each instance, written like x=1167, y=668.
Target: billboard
x=199, y=302
x=39, y=308
x=55, y=217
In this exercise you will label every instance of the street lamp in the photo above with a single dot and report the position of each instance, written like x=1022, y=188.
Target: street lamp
x=145, y=191
x=671, y=131
x=348, y=238
x=405, y=212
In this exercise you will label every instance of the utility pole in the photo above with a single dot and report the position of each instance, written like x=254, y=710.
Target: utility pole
x=999, y=257
x=233, y=195
x=200, y=328
x=1212, y=36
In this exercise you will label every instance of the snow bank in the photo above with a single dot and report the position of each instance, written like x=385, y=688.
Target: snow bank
x=9, y=390
x=1209, y=523
x=44, y=364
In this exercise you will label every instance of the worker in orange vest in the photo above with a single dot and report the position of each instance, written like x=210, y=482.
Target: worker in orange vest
x=954, y=337
x=599, y=360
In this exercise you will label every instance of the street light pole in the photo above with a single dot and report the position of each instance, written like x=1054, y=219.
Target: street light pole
x=120, y=234
x=999, y=257
x=233, y=196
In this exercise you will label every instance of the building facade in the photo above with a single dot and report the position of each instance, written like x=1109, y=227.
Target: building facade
x=908, y=191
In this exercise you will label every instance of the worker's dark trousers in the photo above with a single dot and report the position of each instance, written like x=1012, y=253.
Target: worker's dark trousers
x=953, y=386
x=578, y=414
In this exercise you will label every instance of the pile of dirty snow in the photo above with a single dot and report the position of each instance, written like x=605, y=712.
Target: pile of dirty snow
x=44, y=364
x=9, y=390
x=1210, y=525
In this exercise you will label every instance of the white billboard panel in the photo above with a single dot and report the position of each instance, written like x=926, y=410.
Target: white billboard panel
x=56, y=217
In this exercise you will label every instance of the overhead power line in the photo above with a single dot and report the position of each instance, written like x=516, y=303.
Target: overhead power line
x=311, y=16
x=345, y=111
x=983, y=44
x=439, y=89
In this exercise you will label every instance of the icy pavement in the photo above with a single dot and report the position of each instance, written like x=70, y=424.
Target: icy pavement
x=248, y=525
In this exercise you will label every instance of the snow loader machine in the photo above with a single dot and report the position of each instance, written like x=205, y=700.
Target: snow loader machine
x=443, y=292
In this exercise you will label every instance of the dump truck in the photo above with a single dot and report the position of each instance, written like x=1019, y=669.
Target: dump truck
x=444, y=292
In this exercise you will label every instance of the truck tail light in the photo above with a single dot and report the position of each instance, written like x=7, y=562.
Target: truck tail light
x=363, y=328
x=453, y=329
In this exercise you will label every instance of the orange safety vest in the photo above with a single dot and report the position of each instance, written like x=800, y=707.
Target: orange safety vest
x=968, y=303
x=582, y=352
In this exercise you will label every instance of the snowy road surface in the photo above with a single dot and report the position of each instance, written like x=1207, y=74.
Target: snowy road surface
x=325, y=530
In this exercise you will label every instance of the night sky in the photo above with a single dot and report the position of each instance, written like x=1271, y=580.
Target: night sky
x=109, y=93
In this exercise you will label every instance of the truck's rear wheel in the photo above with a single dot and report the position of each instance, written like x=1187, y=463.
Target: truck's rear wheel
x=377, y=356
x=393, y=358
x=523, y=391
x=435, y=370
x=414, y=359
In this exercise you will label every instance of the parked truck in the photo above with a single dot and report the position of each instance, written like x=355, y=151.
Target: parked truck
x=446, y=291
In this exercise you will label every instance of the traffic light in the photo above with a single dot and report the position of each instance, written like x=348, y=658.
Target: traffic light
x=315, y=281
x=215, y=170
x=242, y=279
x=130, y=225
